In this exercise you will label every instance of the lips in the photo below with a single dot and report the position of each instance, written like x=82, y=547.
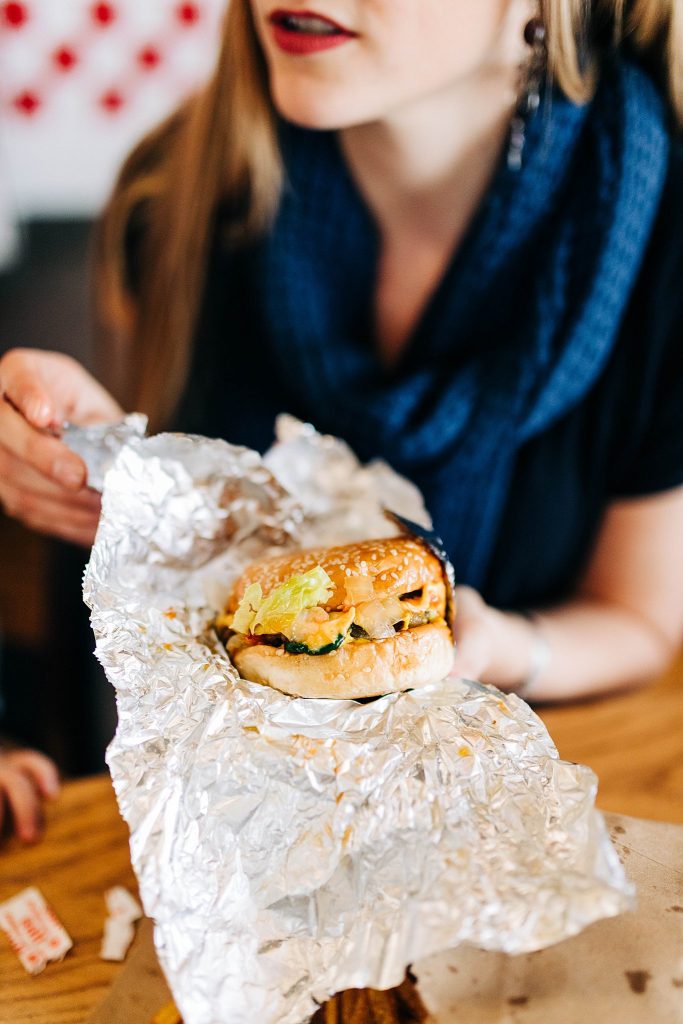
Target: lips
x=304, y=32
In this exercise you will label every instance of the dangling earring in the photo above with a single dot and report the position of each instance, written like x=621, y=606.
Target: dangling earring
x=530, y=99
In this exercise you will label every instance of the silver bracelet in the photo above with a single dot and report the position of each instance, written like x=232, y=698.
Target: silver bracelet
x=540, y=657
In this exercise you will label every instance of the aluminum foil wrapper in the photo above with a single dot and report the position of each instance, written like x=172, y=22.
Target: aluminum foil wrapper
x=98, y=445
x=288, y=849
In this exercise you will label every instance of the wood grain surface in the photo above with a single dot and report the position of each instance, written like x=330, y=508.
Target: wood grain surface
x=84, y=853
x=633, y=742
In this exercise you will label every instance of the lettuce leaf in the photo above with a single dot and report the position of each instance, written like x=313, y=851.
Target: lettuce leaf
x=277, y=612
x=252, y=600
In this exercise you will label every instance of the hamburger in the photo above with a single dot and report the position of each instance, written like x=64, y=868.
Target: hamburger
x=355, y=621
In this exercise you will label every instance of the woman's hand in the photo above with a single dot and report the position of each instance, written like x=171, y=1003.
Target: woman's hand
x=26, y=779
x=491, y=646
x=473, y=634
x=43, y=483
x=621, y=627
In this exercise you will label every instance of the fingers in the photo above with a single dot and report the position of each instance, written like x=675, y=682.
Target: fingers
x=26, y=776
x=40, y=769
x=42, y=482
x=43, y=453
x=472, y=652
x=26, y=391
x=47, y=388
x=23, y=800
x=19, y=476
x=42, y=503
x=76, y=523
x=473, y=634
x=93, y=403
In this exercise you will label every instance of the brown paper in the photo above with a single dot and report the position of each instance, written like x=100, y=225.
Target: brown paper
x=627, y=969
x=140, y=990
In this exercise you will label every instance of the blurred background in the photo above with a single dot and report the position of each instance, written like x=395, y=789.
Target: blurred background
x=80, y=82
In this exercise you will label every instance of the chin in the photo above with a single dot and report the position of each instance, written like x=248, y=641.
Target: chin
x=311, y=105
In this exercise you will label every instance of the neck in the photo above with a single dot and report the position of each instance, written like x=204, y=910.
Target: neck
x=427, y=166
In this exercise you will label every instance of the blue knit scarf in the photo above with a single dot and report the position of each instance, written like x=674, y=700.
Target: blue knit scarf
x=520, y=327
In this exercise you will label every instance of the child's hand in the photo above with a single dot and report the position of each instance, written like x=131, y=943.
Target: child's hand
x=26, y=778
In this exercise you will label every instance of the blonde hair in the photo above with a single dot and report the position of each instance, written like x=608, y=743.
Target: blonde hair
x=579, y=30
x=218, y=154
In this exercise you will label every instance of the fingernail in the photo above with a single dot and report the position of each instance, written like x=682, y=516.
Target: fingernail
x=53, y=787
x=69, y=473
x=41, y=411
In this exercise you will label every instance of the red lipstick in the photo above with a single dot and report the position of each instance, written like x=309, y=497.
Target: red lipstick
x=302, y=32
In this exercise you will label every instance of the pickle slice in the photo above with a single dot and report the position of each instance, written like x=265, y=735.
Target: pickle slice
x=296, y=647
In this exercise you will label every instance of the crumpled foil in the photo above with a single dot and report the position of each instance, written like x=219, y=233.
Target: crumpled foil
x=287, y=848
x=100, y=443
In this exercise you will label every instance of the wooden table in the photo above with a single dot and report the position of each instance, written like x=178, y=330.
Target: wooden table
x=634, y=743
x=84, y=853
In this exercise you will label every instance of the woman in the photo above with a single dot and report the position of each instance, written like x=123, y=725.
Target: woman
x=450, y=233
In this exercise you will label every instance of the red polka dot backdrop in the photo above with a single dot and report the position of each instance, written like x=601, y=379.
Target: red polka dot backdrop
x=14, y=15
x=81, y=80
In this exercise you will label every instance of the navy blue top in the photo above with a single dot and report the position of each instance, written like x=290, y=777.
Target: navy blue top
x=623, y=438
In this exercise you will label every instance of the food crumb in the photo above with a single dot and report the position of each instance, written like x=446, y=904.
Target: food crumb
x=638, y=981
x=518, y=1000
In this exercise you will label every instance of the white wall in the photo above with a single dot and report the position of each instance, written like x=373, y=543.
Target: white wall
x=61, y=158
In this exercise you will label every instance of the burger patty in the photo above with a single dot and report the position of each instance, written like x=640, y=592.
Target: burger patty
x=356, y=632
x=316, y=600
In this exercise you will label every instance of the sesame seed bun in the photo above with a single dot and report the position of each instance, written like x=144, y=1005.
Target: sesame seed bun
x=411, y=659
x=396, y=565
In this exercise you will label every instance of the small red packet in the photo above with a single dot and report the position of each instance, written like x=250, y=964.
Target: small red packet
x=33, y=930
